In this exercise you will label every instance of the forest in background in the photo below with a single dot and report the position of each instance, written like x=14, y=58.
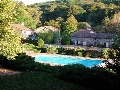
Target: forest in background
x=71, y=15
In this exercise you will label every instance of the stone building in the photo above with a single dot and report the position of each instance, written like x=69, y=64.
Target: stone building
x=24, y=31
x=87, y=37
x=44, y=29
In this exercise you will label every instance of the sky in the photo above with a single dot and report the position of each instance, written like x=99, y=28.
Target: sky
x=28, y=2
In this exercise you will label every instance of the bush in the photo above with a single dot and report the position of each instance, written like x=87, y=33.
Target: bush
x=90, y=53
x=51, y=49
x=93, y=78
x=79, y=54
x=34, y=42
x=65, y=40
x=69, y=51
x=86, y=53
x=95, y=54
x=48, y=36
x=105, y=53
x=74, y=73
x=43, y=50
x=31, y=47
x=3, y=60
x=60, y=50
x=40, y=43
x=10, y=42
x=23, y=62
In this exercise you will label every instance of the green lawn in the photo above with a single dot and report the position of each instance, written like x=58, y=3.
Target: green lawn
x=36, y=81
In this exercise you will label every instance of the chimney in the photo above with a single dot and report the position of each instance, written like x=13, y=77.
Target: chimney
x=22, y=23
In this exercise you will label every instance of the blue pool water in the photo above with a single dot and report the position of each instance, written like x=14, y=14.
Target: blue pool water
x=63, y=60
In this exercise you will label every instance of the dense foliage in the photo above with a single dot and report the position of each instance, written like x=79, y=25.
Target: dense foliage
x=29, y=15
x=101, y=15
x=51, y=49
x=40, y=43
x=48, y=37
x=115, y=56
x=70, y=25
x=92, y=78
x=36, y=81
x=65, y=40
x=61, y=13
x=9, y=38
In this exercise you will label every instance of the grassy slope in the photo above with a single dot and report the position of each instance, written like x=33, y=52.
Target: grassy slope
x=35, y=81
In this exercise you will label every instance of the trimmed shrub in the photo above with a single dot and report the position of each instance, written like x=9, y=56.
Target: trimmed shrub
x=40, y=43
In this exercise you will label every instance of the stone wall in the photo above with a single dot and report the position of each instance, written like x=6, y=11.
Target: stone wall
x=91, y=41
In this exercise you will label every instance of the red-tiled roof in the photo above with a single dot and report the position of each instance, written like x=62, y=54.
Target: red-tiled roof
x=19, y=26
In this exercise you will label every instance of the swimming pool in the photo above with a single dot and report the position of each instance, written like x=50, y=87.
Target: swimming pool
x=65, y=60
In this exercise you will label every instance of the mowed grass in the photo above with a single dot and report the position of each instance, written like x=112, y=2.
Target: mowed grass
x=36, y=81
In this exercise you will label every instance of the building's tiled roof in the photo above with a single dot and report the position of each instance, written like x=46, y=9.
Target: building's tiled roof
x=83, y=33
x=19, y=27
x=105, y=35
x=46, y=28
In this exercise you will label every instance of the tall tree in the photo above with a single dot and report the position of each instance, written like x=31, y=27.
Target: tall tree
x=95, y=17
x=83, y=25
x=70, y=25
x=114, y=24
x=9, y=38
x=75, y=10
x=22, y=15
x=53, y=23
x=35, y=13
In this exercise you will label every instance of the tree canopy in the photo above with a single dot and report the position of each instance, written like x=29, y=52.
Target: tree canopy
x=56, y=13
x=9, y=38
